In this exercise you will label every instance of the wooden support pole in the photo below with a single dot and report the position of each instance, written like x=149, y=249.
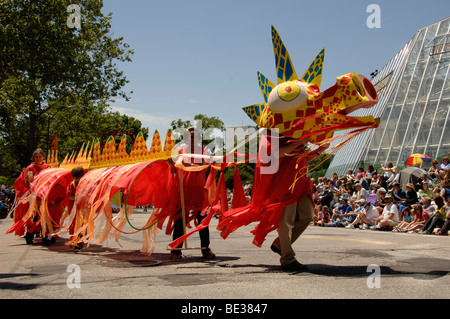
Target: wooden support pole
x=183, y=209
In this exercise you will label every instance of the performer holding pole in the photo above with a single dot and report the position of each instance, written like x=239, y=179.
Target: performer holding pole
x=192, y=195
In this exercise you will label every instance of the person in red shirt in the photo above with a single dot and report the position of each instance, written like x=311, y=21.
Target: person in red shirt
x=194, y=194
x=22, y=185
x=282, y=198
x=34, y=168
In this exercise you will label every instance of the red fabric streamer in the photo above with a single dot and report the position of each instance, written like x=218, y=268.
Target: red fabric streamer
x=270, y=194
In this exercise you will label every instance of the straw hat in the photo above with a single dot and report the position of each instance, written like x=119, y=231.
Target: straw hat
x=410, y=185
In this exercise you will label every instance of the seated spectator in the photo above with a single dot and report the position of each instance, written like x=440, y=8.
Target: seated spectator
x=3, y=208
x=334, y=178
x=437, y=219
x=320, y=184
x=389, y=217
x=342, y=214
x=350, y=174
x=406, y=218
x=360, y=192
x=381, y=202
x=392, y=178
x=370, y=171
x=349, y=188
x=382, y=182
x=317, y=208
x=444, y=168
x=361, y=180
x=365, y=216
x=420, y=217
x=446, y=227
x=427, y=206
x=445, y=190
x=410, y=196
x=374, y=188
x=424, y=178
x=361, y=171
x=324, y=216
x=399, y=196
x=389, y=171
x=326, y=198
x=425, y=191
x=433, y=172
x=374, y=176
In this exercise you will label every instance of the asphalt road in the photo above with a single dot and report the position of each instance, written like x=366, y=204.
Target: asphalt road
x=343, y=264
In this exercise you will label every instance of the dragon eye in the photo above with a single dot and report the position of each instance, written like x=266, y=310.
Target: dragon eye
x=286, y=96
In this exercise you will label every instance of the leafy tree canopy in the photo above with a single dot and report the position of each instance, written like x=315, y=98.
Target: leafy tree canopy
x=57, y=79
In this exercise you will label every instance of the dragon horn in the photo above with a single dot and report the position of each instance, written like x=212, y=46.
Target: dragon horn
x=283, y=63
x=265, y=85
x=313, y=74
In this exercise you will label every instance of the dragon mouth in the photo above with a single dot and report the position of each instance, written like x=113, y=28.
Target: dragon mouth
x=366, y=92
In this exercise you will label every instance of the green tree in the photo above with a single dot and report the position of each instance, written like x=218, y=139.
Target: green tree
x=46, y=67
x=212, y=129
x=207, y=123
x=79, y=125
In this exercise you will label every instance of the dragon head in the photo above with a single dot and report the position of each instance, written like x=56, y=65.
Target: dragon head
x=297, y=108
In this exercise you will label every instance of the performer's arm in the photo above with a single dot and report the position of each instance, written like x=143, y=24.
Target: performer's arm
x=287, y=149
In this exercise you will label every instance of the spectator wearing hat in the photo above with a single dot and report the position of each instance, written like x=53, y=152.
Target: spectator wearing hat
x=389, y=217
x=374, y=187
x=410, y=196
x=342, y=214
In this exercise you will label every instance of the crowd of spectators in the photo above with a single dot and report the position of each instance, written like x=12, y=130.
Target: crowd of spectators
x=7, y=196
x=371, y=199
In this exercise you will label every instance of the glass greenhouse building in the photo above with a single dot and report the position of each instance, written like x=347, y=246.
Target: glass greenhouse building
x=414, y=106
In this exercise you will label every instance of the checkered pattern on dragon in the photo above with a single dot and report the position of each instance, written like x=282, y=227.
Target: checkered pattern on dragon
x=297, y=107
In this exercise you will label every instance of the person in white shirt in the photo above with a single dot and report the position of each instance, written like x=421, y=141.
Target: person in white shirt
x=389, y=217
x=366, y=215
x=444, y=167
x=361, y=192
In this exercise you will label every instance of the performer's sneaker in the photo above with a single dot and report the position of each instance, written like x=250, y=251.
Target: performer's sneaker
x=275, y=249
x=29, y=238
x=176, y=255
x=46, y=241
x=294, y=266
x=209, y=254
x=78, y=247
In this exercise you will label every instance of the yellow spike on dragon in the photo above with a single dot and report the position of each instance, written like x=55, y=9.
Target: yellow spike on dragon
x=297, y=108
x=95, y=157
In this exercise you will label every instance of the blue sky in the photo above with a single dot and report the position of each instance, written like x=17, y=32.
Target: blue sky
x=200, y=56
